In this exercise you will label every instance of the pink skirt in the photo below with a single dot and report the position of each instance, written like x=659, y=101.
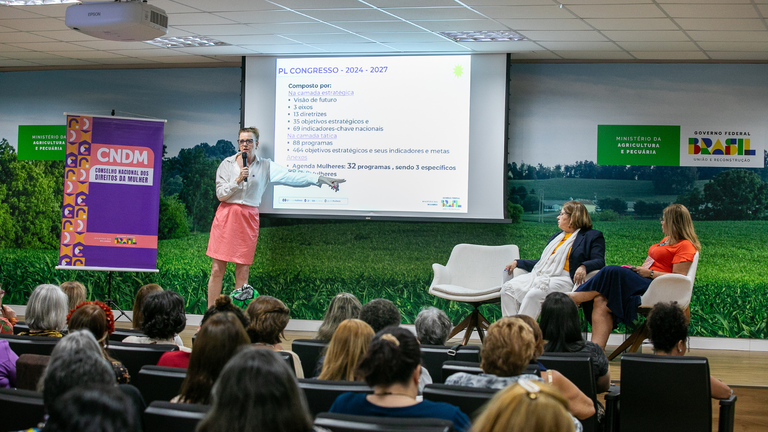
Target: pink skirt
x=234, y=233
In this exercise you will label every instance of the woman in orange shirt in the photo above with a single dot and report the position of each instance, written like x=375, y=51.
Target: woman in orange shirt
x=613, y=295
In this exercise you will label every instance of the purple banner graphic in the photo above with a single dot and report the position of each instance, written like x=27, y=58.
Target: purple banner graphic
x=111, y=194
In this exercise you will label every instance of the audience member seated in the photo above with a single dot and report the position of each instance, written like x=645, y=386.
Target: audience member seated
x=92, y=408
x=269, y=317
x=7, y=315
x=257, y=391
x=344, y=306
x=507, y=349
x=163, y=318
x=138, y=302
x=180, y=358
x=97, y=317
x=668, y=331
x=46, y=313
x=76, y=293
x=432, y=326
x=392, y=368
x=538, y=337
x=216, y=343
x=347, y=347
x=527, y=406
x=562, y=331
x=381, y=313
x=7, y=365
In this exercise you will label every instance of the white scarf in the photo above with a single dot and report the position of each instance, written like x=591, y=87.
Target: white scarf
x=549, y=265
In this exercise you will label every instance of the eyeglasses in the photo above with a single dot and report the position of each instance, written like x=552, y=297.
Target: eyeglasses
x=245, y=141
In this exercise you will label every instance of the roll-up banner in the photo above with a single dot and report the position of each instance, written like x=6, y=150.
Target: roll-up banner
x=111, y=194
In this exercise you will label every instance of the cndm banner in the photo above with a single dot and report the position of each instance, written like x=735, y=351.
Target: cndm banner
x=111, y=194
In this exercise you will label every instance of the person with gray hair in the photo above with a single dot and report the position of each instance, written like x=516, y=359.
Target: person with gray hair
x=46, y=312
x=77, y=341
x=432, y=326
x=70, y=369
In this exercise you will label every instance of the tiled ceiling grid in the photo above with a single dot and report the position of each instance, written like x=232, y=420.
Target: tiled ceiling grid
x=666, y=30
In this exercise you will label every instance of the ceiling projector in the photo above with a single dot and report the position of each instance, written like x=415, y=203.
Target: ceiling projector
x=132, y=20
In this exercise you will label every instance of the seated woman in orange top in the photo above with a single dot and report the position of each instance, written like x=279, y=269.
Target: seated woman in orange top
x=613, y=295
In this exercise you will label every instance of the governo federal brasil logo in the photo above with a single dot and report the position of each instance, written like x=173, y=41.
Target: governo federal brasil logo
x=714, y=146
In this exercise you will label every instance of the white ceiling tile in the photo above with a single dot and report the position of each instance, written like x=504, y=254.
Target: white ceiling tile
x=565, y=36
x=763, y=10
x=643, y=36
x=7, y=29
x=65, y=35
x=729, y=36
x=434, y=13
x=580, y=46
x=16, y=63
x=261, y=17
x=8, y=48
x=228, y=5
x=177, y=32
x=474, y=3
x=286, y=49
x=459, y=25
x=632, y=24
x=710, y=11
x=30, y=55
x=534, y=55
x=218, y=30
x=64, y=61
x=728, y=55
x=19, y=12
x=517, y=12
x=407, y=3
x=417, y=37
x=658, y=46
x=150, y=52
x=516, y=46
x=569, y=3
x=545, y=24
x=35, y=24
x=88, y=55
x=220, y=50
x=53, y=47
x=198, y=18
x=324, y=4
x=360, y=48
x=618, y=11
x=594, y=55
x=172, y=7
x=106, y=45
x=669, y=55
x=734, y=46
x=22, y=37
x=348, y=15
x=329, y=38
x=56, y=11
x=125, y=61
x=376, y=26
x=185, y=59
x=710, y=24
x=253, y=39
x=293, y=28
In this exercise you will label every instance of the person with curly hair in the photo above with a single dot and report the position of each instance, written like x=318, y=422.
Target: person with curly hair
x=380, y=313
x=509, y=347
x=668, y=331
x=97, y=318
x=527, y=406
x=343, y=306
x=269, y=317
x=164, y=318
x=138, y=302
x=180, y=358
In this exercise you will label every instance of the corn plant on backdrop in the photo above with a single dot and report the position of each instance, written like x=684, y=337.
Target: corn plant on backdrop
x=305, y=265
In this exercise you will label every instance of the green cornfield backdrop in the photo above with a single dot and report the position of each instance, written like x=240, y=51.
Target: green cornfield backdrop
x=305, y=265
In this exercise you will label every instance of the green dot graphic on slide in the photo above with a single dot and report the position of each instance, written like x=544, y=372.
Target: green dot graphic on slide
x=458, y=71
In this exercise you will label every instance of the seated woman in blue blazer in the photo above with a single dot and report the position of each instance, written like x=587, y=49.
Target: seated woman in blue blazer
x=569, y=255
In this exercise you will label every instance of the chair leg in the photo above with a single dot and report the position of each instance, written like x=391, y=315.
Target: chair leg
x=643, y=333
x=460, y=326
x=632, y=343
x=473, y=323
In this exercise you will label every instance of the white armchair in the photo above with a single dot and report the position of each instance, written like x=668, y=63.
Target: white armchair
x=665, y=288
x=473, y=275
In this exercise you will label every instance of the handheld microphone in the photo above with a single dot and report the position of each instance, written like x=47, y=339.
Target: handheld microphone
x=245, y=164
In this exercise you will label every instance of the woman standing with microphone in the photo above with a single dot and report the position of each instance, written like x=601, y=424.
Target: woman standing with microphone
x=241, y=180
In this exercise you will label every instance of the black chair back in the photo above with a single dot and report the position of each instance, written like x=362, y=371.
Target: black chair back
x=22, y=409
x=469, y=400
x=161, y=416
x=433, y=357
x=159, y=382
x=121, y=333
x=134, y=356
x=577, y=367
x=309, y=351
x=321, y=394
x=20, y=326
x=40, y=345
x=452, y=367
x=354, y=423
x=29, y=370
x=288, y=359
x=664, y=393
